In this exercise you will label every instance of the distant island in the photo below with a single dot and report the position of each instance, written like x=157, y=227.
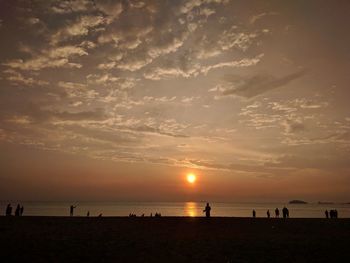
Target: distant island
x=297, y=202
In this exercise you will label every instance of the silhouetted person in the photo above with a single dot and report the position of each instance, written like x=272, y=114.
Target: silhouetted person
x=207, y=210
x=285, y=212
x=277, y=212
x=71, y=210
x=254, y=214
x=268, y=213
x=100, y=215
x=333, y=213
x=18, y=210
x=8, y=210
x=88, y=213
x=326, y=213
x=21, y=210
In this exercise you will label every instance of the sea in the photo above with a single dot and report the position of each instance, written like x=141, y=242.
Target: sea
x=188, y=209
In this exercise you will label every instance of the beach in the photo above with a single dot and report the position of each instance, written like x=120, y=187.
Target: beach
x=172, y=239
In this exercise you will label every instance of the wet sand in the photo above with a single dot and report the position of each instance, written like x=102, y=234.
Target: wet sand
x=173, y=239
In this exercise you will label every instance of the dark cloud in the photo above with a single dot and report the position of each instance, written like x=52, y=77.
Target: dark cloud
x=253, y=86
x=293, y=126
x=145, y=128
x=105, y=136
x=37, y=115
x=97, y=114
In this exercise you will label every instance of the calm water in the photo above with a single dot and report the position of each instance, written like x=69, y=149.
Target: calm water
x=174, y=209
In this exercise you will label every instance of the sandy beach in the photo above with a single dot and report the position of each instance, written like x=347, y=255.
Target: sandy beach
x=172, y=239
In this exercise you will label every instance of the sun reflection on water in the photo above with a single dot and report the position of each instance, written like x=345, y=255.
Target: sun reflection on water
x=191, y=209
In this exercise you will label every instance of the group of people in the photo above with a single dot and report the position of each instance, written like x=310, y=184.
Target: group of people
x=143, y=215
x=285, y=213
x=18, y=212
x=331, y=213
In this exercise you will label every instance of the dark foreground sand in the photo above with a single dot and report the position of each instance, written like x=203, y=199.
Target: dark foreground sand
x=173, y=239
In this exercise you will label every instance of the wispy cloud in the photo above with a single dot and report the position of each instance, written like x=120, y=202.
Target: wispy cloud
x=249, y=87
x=50, y=58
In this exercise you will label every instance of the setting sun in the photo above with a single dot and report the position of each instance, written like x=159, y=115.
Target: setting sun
x=191, y=178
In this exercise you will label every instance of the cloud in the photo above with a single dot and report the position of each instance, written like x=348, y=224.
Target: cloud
x=159, y=73
x=341, y=138
x=134, y=63
x=66, y=52
x=188, y=6
x=108, y=65
x=148, y=129
x=81, y=27
x=265, y=169
x=293, y=125
x=73, y=89
x=110, y=8
x=253, y=86
x=33, y=20
x=196, y=69
x=97, y=114
x=50, y=58
x=17, y=78
x=167, y=44
x=120, y=46
x=101, y=78
x=41, y=63
x=255, y=18
x=65, y=6
x=163, y=99
x=246, y=62
x=310, y=104
x=41, y=115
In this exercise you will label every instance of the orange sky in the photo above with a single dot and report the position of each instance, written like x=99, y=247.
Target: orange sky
x=35, y=175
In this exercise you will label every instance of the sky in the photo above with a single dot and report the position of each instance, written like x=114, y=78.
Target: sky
x=119, y=100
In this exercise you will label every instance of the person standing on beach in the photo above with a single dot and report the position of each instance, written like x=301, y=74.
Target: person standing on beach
x=72, y=210
x=277, y=213
x=207, y=210
x=268, y=213
x=284, y=212
x=326, y=213
x=254, y=213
